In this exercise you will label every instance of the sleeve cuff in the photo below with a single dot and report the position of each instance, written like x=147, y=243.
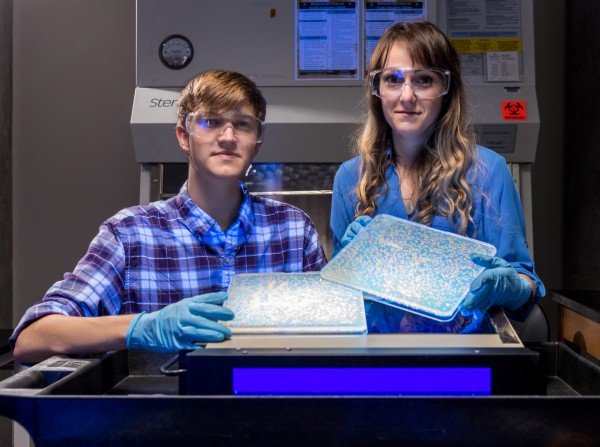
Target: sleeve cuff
x=540, y=289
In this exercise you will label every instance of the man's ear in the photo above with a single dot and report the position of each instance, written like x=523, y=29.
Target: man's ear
x=256, y=148
x=183, y=138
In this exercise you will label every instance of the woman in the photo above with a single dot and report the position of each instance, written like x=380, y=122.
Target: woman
x=417, y=159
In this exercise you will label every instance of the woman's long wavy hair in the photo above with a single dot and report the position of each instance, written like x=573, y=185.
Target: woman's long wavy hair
x=441, y=167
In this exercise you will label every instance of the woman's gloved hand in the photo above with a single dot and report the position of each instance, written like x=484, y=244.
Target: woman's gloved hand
x=498, y=285
x=354, y=228
x=180, y=325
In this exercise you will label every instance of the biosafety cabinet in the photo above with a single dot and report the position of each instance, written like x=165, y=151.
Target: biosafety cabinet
x=309, y=60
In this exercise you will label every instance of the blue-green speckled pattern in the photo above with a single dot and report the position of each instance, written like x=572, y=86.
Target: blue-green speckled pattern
x=409, y=266
x=293, y=303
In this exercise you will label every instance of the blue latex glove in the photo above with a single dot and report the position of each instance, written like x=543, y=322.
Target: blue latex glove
x=354, y=228
x=180, y=325
x=498, y=285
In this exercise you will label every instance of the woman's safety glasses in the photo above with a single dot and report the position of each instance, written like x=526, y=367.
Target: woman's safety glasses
x=207, y=126
x=426, y=83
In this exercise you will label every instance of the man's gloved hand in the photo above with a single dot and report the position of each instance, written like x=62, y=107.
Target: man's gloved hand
x=354, y=228
x=498, y=285
x=180, y=325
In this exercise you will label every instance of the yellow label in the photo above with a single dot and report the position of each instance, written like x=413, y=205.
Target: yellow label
x=486, y=44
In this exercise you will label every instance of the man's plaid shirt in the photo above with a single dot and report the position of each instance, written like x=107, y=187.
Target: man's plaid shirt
x=147, y=257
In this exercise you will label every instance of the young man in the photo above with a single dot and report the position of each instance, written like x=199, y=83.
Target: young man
x=154, y=277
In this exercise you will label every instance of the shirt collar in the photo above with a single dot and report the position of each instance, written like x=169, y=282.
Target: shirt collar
x=199, y=222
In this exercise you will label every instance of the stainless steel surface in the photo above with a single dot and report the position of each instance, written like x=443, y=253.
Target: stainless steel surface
x=503, y=327
x=504, y=337
x=369, y=341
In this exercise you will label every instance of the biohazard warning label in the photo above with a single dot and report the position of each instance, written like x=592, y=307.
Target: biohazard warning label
x=514, y=110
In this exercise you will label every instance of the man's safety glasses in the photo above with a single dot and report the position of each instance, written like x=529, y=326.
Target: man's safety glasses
x=207, y=126
x=426, y=83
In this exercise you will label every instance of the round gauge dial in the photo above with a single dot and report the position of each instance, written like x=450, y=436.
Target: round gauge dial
x=176, y=52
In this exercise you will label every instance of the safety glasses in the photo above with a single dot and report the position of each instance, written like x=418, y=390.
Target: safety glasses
x=209, y=126
x=426, y=83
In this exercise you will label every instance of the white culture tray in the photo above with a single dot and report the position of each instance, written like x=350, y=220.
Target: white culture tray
x=409, y=266
x=293, y=303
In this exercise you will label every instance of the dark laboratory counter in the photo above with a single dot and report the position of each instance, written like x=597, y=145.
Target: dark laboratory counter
x=119, y=399
x=579, y=319
x=585, y=302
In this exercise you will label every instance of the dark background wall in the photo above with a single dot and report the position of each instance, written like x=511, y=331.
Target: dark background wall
x=5, y=188
x=548, y=169
x=72, y=159
x=73, y=162
x=582, y=148
x=5, y=163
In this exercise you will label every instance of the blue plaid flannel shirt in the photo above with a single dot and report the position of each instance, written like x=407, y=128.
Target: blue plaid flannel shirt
x=146, y=257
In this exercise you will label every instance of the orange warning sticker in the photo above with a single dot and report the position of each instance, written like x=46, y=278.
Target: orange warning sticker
x=514, y=110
